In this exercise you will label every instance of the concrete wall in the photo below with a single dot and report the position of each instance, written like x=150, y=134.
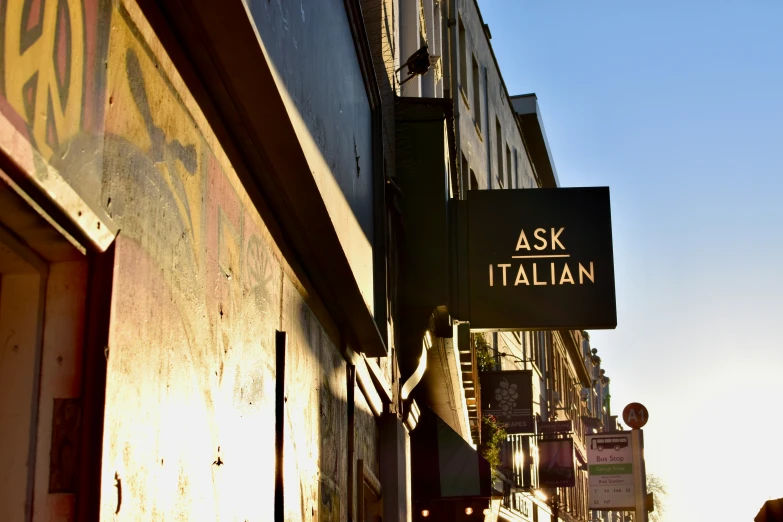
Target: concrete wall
x=199, y=286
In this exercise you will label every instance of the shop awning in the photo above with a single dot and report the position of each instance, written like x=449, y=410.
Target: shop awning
x=443, y=465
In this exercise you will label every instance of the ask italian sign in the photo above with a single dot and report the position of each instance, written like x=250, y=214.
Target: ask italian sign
x=540, y=259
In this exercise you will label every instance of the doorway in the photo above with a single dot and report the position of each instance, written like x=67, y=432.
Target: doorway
x=46, y=336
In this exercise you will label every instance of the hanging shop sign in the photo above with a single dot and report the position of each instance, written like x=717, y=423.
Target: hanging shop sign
x=556, y=463
x=610, y=471
x=540, y=259
x=508, y=396
x=564, y=426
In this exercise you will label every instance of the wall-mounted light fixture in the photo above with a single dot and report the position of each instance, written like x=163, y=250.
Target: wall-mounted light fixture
x=418, y=64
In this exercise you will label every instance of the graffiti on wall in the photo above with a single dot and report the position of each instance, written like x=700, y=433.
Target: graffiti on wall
x=78, y=72
x=86, y=88
x=44, y=57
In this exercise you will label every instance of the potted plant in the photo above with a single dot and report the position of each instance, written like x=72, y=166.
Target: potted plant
x=492, y=435
x=484, y=357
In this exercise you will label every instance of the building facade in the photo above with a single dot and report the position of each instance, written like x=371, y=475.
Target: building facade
x=225, y=251
x=193, y=266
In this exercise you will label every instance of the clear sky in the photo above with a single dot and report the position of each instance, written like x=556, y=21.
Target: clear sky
x=678, y=107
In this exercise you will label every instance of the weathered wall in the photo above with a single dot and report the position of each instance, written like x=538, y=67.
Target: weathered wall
x=200, y=287
x=367, y=443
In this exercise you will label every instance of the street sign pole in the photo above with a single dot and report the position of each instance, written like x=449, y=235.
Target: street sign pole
x=639, y=479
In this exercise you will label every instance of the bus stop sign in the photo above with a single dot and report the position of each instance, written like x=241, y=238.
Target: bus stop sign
x=635, y=415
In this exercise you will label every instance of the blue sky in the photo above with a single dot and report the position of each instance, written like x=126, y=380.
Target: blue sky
x=678, y=107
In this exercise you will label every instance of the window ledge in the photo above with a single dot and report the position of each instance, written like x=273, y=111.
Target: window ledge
x=464, y=97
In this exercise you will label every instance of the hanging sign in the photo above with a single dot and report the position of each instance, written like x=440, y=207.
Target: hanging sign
x=508, y=396
x=540, y=259
x=556, y=463
x=564, y=426
x=610, y=471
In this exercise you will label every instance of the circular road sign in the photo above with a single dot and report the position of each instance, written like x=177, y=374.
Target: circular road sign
x=635, y=415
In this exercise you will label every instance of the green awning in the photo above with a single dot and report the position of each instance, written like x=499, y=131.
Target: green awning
x=443, y=465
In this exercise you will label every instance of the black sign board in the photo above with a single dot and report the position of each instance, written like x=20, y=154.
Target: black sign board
x=556, y=463
x=565, y=426
x=540, y=259
x=508, y=396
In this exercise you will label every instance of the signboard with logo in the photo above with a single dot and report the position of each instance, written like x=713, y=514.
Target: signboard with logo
x=564, y=426
x=556, y=463
x=508, y=396
x=635, y=415
x=540, y=259
x=610, y=471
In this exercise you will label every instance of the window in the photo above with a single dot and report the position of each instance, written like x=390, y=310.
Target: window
x=542, y=348
x=499, y=154
x=509, y=176
x=465, y=169
x=476, y=95
x=518, y=182
x=463, y=59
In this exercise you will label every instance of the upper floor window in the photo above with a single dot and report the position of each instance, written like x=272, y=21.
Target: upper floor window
x=499, y=153
x=476, y=94
x=509, y=174
x=463, y=58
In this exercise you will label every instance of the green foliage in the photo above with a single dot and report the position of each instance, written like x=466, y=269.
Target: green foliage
x=492, y=435
x=484, y=357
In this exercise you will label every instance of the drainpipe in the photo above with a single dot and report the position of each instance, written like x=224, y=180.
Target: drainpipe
x=454, y=76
